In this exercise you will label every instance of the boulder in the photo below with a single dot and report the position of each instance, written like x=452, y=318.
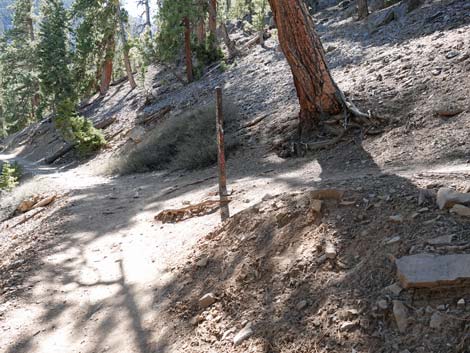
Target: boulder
x=446, y=198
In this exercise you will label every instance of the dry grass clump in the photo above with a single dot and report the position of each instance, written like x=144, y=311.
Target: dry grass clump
x=187, y=141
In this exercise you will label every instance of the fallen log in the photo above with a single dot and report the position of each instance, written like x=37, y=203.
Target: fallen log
x=152, y=117
x=104, y=123
x=66, y=149
x=196, y=210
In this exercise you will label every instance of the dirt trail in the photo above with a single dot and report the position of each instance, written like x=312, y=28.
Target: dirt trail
x=96, y=287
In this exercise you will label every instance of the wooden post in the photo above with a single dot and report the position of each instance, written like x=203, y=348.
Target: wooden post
x=224, y=209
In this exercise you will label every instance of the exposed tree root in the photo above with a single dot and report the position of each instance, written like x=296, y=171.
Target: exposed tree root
x=352, y=118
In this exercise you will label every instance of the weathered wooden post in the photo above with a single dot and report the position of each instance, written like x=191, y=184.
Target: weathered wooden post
x=224, y=209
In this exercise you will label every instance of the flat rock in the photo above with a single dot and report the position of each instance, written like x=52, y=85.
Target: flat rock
x=447, y=198
x=442, y=240
x=428, y=270
x=207, y=300
x=461, y=210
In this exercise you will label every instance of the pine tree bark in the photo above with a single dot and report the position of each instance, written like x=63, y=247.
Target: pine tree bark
x=187, y=46
x=127, y=61
x=362, y=9
x=213, y=18
x=201, y=32
x=317, y=92
x=107, y=70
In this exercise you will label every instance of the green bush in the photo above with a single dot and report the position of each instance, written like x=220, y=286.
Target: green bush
x=78, y=130
x=187, y=141
x=10, y=176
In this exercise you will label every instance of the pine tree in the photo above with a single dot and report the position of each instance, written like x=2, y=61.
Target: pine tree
x=53, y=55
x=19, y=84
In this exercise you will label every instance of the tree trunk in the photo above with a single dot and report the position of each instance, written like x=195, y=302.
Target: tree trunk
x=187, y=46
x=201, y=32
x=213, y=18
x=148, y=23
x=127, y=61
x=317, y=92
x=107, y=70
x=362, y=9
x=230, y=44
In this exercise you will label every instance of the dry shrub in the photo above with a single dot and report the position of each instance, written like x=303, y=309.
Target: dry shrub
x=187, y=141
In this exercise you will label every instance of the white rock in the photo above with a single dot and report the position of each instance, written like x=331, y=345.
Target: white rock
x=330, y=251
x=461, y=302
x=243, y=334
x=393, y=240
x=446, y=198
x=396, y=218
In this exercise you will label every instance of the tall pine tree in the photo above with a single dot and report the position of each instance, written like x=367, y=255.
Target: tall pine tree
x=19, y=84
x=53, y=55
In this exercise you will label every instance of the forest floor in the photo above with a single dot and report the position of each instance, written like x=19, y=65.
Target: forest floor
x=94, y=272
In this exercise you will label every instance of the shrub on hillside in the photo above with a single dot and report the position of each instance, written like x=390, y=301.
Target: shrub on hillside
x=78, y=130
x=10, y=176
x=187, y=141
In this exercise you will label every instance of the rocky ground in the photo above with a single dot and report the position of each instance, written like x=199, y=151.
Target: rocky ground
x=93, y=272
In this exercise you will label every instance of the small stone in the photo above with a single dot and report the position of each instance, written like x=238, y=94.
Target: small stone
x=330, y=251
x=347, y=326
x=442, y=307
x=301, y=305
x=436, y=72
x=429, y=310
x=461, y=210
x=207, y=300
x=330, y=48
x=243, y=334
x=382, y=304
x=267, y=197
x=316, y=205
x=197, y=319
x=393, y=240
x=452, y=54
x=444, y=239
x=461, y=303
x=202, y=262
x=436, y=320
x=400, y=312
x=394, y=289
x=396, y=218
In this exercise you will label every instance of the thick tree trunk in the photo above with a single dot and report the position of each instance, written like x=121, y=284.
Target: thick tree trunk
x=362, y=9
x=107, y=70
x=317, y=92
x=127, y=61
x=213, y=18
x=187, y=46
